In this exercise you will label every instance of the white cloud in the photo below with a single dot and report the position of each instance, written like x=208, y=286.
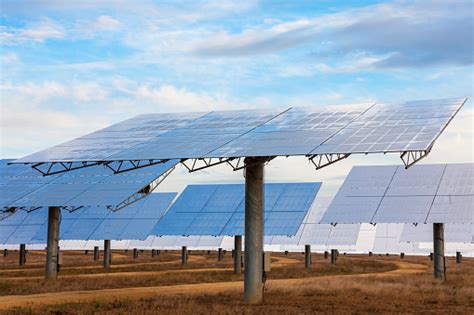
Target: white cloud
x=85, y=92
x=39, y=32
x=107, y=23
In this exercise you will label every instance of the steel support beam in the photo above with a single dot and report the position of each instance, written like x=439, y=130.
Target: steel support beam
x=52, y=249
x=238, y=254
x=438, y=249
x=333, y=256
x=96, y=253
x=254, y=196
x=107, y=254
x=22, y=257
x=307, y=256
x=184, y=256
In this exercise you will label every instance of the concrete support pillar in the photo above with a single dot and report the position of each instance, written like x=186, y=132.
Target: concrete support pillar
x=286, y=252
x=5, y=252
x=326, y=254
x=158, y=252
x=254, y=204
x=307, y=256
x=238, y=254
x=220, y=255
x=208, y=252
x=135, y=253
x=431, y=256
x=333, y=256
x=458, y=257
x=153, y=253
x=438, y=249
x=402, y=255
x=22, y=254
x=54, y=214
x=107, y=254
x=370, y=254
x=184, y=256
x=86, y=252
x=96, y=253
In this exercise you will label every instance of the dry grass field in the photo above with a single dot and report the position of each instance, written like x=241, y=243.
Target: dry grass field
x=356, y=284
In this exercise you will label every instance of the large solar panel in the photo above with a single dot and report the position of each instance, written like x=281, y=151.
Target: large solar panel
x=453, y=233
x=88, y=223
x=313, y=233
x=23, y=187
x=438, y=193
x=387, y=240
x=219, y=210
x=358, y=128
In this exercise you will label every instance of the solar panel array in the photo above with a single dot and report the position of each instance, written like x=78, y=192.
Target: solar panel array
x=453, y=233
x=88, y=223
x=313, y=233
x=356, y=128
x=435, y=193
x=219, y=210
x=23, y=187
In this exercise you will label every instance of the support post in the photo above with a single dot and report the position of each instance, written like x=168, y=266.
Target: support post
x=458, y=257
x=86, y=252
x=370, y=254
x=96, y=253
x=402, y=255
x=326, y=254
x=254, y=204
x=135, y=253
x=22, y=254
x=438, y=249
x=5, y=252
x=153, y=253
x=184, y=256
x=238, y=254
x=307, y=256
x=54, y=214
x=333, y=256
x=431, y=256
x=107, y=254
x=219, y=254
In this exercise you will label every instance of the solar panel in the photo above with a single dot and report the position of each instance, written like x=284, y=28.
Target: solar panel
x=23, y=187
x=215, y=210
x=363, y=128
x=437, y=193
x=88, y=223
x=458, y=233
x=387, y=240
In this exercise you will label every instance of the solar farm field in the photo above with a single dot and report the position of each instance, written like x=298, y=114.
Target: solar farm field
x=356, y=283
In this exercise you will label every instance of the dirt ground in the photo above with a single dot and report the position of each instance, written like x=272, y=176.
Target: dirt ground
x=356, y=284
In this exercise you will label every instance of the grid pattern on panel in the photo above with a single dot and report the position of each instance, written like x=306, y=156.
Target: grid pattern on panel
x=216, y=210
x=89, y=223
x=22, y=186
x=433, y=193
x=357, y=128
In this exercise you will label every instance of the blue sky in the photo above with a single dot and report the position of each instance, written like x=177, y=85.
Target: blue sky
x=71, y=67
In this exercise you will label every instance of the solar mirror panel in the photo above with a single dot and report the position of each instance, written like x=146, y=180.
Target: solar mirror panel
x=23, y=187
x=219, y=210
x=457, y=233
x=365, y=128
x=439, y=193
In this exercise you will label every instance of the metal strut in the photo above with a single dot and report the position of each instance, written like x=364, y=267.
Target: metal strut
x=237, y=163
x=129, y=165
x=142, y=193
x=323, y=160
x=411, y=157
x=52, y=168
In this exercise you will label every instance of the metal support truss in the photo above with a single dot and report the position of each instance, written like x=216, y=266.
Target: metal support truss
x=411, y=157
x=52, y=168
x=129, y=165
x=323, y=160
x=237, y=163
x=142, y=193
x=194, y=165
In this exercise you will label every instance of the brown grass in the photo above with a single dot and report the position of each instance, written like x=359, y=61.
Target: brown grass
x=411, y=293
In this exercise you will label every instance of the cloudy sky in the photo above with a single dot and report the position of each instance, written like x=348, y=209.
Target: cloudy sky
x=71, y=67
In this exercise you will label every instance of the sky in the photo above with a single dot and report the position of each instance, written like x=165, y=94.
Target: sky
x=72, y=67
